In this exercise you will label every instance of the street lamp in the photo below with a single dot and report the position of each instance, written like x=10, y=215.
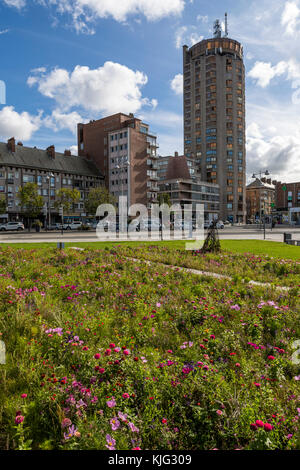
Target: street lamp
x=260, y=173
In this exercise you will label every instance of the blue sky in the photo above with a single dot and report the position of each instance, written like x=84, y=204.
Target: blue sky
x=69, y=61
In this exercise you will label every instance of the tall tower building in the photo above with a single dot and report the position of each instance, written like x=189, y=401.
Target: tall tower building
x=214, y=117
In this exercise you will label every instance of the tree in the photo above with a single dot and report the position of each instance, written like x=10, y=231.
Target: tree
x=164, y=198
x=3, y=205
x=66, y=197
x=31, y=202
x=96, y=197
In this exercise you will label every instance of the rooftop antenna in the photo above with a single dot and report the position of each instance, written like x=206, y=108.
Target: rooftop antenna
x=217, y=29
x=226, y=26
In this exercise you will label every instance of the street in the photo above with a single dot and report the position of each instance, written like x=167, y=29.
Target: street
x=229, y=232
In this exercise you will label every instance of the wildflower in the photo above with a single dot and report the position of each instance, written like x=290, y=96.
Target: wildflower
x=136, y=448
x=112, y=345
x=259, y=423
x=19, y=419
x=115, y=424
x=97, y=356
x=107, y=352
x=268, y=427
x=125, y=395
x=110, y=442
x=71, y=432
x=111, y=403
x=219, y=412
x=133, y=428
x=66, y=422
x=126, y=352
x=271, y=358
x=24, y=395
x=122, y=416
x=164, y=421
x=253, y=426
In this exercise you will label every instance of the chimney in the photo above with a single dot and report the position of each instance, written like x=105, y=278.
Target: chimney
x=274, y=182
x=263, y=180
x=176, y=154
x=67, y=153
x=51, y=152
x=11, y=144
x=20, y=144
x=269, y=181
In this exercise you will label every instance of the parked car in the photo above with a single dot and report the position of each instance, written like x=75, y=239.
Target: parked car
x=12, y=226
x=208, y=224
x=72, y=225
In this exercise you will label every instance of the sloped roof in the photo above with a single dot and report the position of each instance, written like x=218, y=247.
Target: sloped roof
x=257, y=183
x=34, y=158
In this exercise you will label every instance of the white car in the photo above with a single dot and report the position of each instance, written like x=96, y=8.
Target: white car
x=73, y=225
x=12, y=226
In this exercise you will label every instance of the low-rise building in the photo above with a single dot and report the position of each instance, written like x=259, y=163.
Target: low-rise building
x=287, y=197
x=260, y=200
x=182, y=186
x=50, y=170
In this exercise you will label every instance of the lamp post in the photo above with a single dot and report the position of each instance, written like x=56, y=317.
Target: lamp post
x=260, y=173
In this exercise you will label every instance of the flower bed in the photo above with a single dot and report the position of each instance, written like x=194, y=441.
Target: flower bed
x=103, y=353
x=243, y=266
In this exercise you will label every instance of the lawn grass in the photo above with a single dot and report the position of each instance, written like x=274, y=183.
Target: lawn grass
x=257, y=247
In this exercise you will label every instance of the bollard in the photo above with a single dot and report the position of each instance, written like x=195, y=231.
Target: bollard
x=287, y=237
x=60, y=245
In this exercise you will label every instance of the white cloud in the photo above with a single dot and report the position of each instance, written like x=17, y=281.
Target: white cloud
x=74, y=150
x=204, y=19
x=273, y=140
x=84, y=12
x=20, y=125
x=4, y=31
x=291, y=18
x=58, y=121
x=177, y=84
x=15, y=3
x=109, y=89
x=187, y=35
x=263, y=72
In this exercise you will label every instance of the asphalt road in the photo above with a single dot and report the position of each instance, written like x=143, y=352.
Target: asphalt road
x=233, y=233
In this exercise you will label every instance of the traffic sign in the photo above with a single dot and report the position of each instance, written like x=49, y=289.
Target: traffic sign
x=284, y=187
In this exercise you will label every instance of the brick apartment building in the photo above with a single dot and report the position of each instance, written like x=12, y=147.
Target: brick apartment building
x=125, y=151
x=50, y=170
x=287, y=198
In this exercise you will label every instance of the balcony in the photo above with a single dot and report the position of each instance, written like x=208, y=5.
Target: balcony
x=9, y=180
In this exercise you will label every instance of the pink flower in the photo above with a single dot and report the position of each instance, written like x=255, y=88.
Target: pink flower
x=133, y=427
x=164, y=421
x=110, y=442
x=97, y=356
x=271, y=358
x=259, y=423
x=219, y=412
x=125, y=395
x=66, y=422
x=268, y=427
x=122, y=416
x=112, y=345
x=19, y=419
x=24, y=395
x=126, y=352
x=253, y=426
x=111, y=403
x=115, y=424
x=107, y=352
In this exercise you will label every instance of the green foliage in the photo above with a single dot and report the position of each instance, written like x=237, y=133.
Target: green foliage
x=31, y=202
x=96, y=197
x=66, y=197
